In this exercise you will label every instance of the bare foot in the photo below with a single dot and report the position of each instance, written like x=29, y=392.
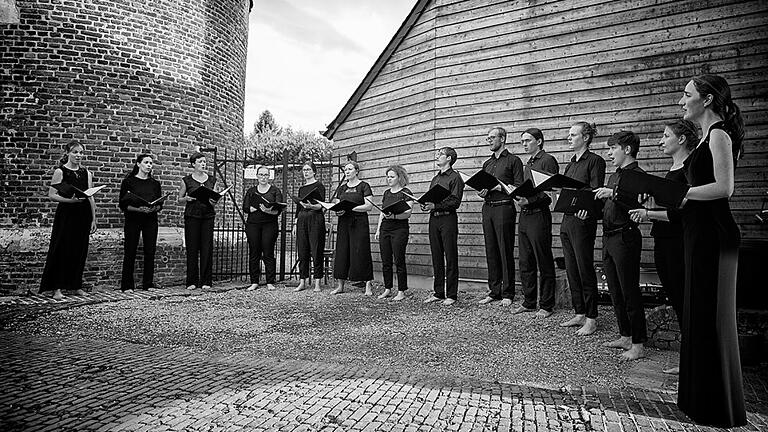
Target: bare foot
x=672, y=371
x=634, y=353
x=81, y=292
x=449, y=301
x=385, y=294
x=191, y=287
x=624, y=342
x=486, y=300
x=400, y=296
x=589, y=327
x=302, y=286
x=521, y=309
x=368, y=289
x=253, y=287
x=339, y=289
x=506, y=302
x=57, y=295
x=270, y=287
x=577, y=320
x=128, y=291
x=543, y=313
x=205, y=287
x=317, y=285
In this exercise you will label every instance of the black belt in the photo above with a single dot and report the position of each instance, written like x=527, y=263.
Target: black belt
x=533, y=210
x=439, y=213
x=499, y=203
x=619, y=230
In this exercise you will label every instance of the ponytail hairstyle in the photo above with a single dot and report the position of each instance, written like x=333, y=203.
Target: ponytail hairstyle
x=68, y=147
x=723, y=105
x=135, y=169
x=588, y=131
x=687, y=129
x=537, y=134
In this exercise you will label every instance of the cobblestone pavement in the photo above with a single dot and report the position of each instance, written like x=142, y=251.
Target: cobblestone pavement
x=69, y=384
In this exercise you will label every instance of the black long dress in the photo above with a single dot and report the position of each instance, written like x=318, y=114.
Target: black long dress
x=68, y=249
x=710, y=389
x=353, y=260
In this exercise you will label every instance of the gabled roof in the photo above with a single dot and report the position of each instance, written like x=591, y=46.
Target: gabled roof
x=405, y=27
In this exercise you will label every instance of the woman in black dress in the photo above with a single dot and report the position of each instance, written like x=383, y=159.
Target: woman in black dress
x=261, y=228
x=309, y=228
x=353, y=242
x=198, y=224
x=137, y=191
x=73, y=223
x=710, y=389
x=677, y=141
x=392, y=232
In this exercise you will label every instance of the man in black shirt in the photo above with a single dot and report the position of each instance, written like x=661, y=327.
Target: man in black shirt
x=622, y=245
x=444, y=229
x=498, y=217
x=535, y=232
x=578, y=231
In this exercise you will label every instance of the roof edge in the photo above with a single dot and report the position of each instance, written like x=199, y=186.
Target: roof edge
x=405, y=27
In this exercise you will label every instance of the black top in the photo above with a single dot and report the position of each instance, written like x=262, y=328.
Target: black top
x=78, y=179
x=273, y=194
x=197, y=208
x=615, y=215
x=508, y=168
x=317, y=194
x=452, y=181
x=673, y=228
x=390, y=198
x=148, y=189
x=355, y=194
x=545, y=162
x=588, y=169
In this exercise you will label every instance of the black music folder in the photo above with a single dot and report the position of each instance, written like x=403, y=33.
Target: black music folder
x=267, y=203
x=667, y=193
x=204, y=193
x=435, y=194
x=309, y=197
x=343, y=205
x=545, y=181
x=484, y=180
x=398, y=207
x=571, y=201
x=148, y=203
x=67, y=190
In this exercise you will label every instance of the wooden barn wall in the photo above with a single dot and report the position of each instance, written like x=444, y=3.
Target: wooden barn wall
x=467, y=66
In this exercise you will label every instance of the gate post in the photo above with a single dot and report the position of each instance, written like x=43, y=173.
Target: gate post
x=283, y=216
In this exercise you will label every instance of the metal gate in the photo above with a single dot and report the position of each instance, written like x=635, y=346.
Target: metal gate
x=230, y=253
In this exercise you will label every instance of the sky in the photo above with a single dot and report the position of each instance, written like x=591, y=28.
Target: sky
x=307, y=57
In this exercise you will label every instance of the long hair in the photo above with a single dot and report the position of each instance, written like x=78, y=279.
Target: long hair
x=400, y=173
x=68, y=147
x=687, y=129
x=723, y=105
x=135, y=169
x=588, y=131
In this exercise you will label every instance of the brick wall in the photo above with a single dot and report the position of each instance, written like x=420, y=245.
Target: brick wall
x=123, y=77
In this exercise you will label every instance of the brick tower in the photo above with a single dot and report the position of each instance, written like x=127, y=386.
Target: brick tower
x=122, y=77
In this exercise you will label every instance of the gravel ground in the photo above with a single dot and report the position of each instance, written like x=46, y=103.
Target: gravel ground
x=465, y=339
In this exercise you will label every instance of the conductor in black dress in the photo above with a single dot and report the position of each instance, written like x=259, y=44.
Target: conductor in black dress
x=137, y=191
x=444, y=229
x=198, y=224
x=498, y=218
x=353, y=259
x=535, y=232
x=622, y=245
x=578, y=231
x=73, y=223
x=261, y=228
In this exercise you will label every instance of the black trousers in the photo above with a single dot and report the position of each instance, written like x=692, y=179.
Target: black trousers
x=198, y=236
x=392, y=242
x=353, y=259
x=666, y=253
x=578, y=238
x=621, y=264
x=310, y=242
x=499, y=234
x=261, y=246
x=443, y=243
x=535, y=242
x=146, y=227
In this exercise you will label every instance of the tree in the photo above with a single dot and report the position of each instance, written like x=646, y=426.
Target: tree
x=265, y=123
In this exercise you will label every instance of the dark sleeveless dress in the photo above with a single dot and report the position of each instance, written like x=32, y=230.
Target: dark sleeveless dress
x=69, y=239
x=710, y=390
